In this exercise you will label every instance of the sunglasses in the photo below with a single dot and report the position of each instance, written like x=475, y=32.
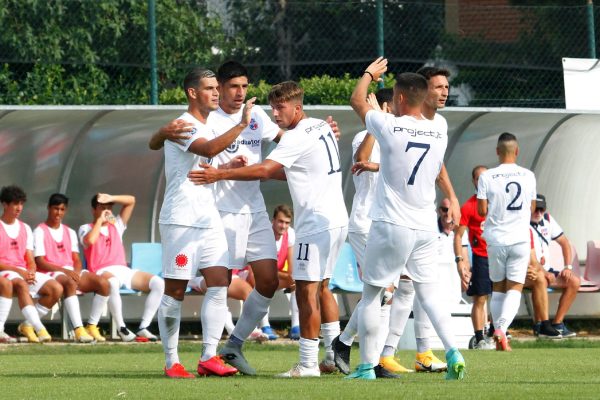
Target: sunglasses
x=444, y=209
x=540, y=210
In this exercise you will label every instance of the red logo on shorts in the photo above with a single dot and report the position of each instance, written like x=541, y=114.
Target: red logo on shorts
x=181, y=260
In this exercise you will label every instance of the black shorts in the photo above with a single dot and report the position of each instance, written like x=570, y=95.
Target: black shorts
x=480, y=284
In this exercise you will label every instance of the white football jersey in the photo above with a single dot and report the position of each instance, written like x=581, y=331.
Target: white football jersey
x=187, y=204
x=310, y=155
x=509, y=190
x=543, y=233
x=412, y=155
x=242, y=197
x=364, y=186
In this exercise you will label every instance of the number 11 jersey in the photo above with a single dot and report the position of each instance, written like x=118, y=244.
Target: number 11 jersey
x=310, y=156
x=412, y=154
x=509, y=190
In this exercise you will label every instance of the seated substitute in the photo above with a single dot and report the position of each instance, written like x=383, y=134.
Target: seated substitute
x=558, y=274
x=17, y=265
x=57, y=254
x=105, y=256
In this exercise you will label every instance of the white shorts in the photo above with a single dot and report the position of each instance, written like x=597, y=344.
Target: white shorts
x=509, y=262
x=56, y=274
x=250, y=238
x=123, y=273
x=186, y=249
x=394, y=250
x=34, y=288
x=358, y=242
x=315, y=255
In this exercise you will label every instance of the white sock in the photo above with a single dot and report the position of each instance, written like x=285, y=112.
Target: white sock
x=496, y=304
x=264, y=321
x=294, y=309
x=153, y=299
x=229, y=325
x=432, y=301
x=349, y=333
x=169, y=317
x=32, y=317
x=42, y=310
x=5, y=304
x=512, y=301
x=98, y=304
x=329, y=331
x=115, y=305
x=384, y=326
x=423, y=327
x=368, y=323
x=212, y=315
x=402, y=303
x=71, y=304
x=256, y=307
x=309, y=352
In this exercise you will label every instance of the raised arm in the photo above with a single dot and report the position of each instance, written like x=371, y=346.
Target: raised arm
x=358, y=100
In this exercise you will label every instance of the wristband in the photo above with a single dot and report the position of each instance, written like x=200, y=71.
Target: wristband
x=458, y=259
x=370, y=74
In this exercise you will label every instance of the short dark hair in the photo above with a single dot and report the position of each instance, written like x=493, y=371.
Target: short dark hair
x=286, y=91
x=429, y=72
x=507, y=137
x=192, y=79
x=12, y=194
x=384, y=95
x=57, y=199
x=284, y=209
x=477, y=168
x=230, y=70
x=413, y=86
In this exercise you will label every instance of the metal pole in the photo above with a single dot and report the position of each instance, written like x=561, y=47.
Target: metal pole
x=152, y=39
x=380, y=47
x=591, y=29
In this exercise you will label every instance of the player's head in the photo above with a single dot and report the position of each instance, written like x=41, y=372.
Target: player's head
x=13, y=198
x=385, y=95
x=507, y=145
x=477, y=170
x=98, y=207
x=438, y=86
x=286, y=99
x=201, y=89
x=410, y=90
x=57, y=207
x=443, y=208
x=233, y=85
x=540, y=208
x=282, y=217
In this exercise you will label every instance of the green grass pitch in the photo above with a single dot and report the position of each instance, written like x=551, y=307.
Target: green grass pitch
x=539, y=370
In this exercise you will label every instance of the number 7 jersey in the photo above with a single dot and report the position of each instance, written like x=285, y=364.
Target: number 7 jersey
x=509, y=190
x=411, y=157
x=310, y=156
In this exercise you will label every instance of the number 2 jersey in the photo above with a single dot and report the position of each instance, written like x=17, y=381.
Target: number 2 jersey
x=412, y=155
x=310, y=156
x=509, y=190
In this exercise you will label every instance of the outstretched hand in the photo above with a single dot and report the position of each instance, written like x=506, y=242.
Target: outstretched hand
x=207, y=175
x=177, y=131
x=246, y=113
x=367, y=166
x=377, y=68
x=334, y=127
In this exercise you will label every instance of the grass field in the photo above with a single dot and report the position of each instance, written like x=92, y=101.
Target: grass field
x=540, y=370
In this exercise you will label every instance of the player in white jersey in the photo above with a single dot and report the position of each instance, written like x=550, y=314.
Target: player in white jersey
x=191, y=229
x=403, y=235
x=506, y=198
x=307, y=156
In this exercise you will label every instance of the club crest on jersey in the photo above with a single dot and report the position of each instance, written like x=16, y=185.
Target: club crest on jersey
x=233, y=147
x=193, y=131
x=253, y=125
x=181, y=260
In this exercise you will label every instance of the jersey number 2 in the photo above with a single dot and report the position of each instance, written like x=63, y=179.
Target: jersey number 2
x=511, y=206
x=410, y=145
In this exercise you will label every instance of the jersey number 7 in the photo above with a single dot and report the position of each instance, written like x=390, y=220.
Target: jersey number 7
x=426, y=147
